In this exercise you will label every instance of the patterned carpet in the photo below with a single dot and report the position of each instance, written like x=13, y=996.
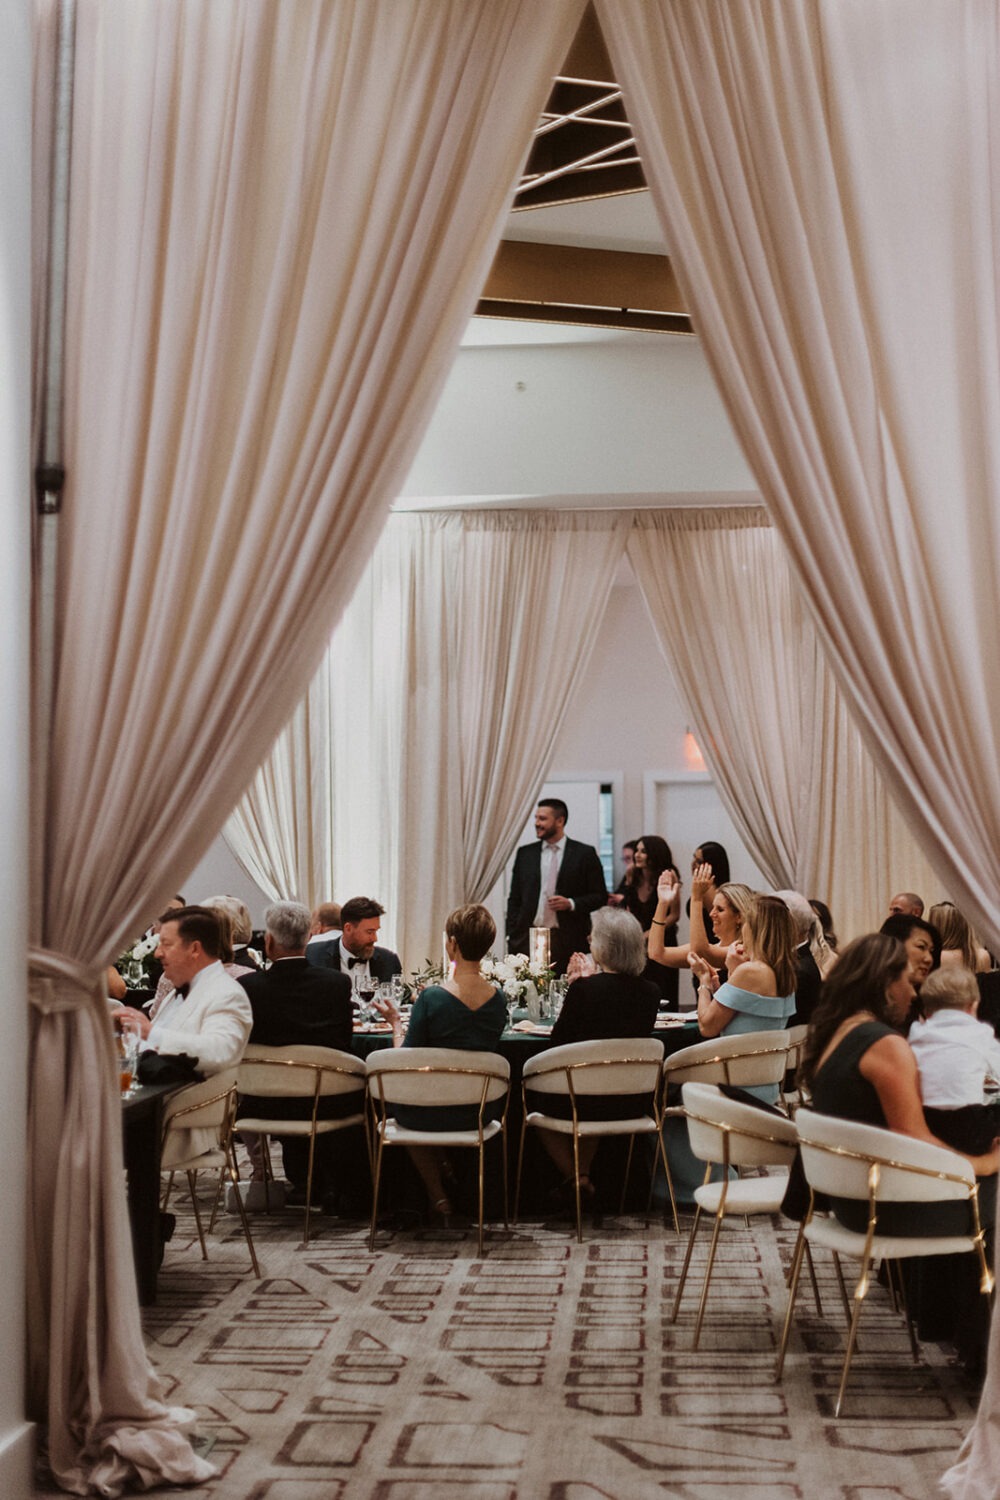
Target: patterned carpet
x=546, y=1370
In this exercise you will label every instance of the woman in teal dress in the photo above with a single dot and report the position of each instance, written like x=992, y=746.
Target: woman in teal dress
x=759, y=995
x=466, y=1012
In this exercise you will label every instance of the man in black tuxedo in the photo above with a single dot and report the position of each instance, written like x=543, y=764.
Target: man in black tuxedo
x=354, y=951
x=556, y=883
x=295, y=1004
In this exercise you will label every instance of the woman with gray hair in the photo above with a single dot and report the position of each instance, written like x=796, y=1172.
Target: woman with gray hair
x=613, y=1002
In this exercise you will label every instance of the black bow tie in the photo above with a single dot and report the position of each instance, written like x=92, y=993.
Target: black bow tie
x=183, y=990
x=351, y=962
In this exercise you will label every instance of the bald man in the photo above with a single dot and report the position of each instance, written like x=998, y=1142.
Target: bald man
x=906, y=904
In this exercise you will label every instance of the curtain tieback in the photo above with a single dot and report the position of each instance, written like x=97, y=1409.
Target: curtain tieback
x=49, y=974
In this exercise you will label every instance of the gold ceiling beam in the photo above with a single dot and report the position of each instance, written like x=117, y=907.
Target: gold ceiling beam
x=573, y=284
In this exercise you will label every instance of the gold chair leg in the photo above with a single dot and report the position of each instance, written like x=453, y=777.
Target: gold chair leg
x=192, y=1177
x=859, y=1297
x=793, y=1286
x=812, y=1277
x=628, y=1170
x=166, y=1195
x=845, y=1299
x=241, y=1206
x=506, y=1185
x=268, y=1171
x=375, y=1190
x=576, y=1185
x=708, y=1276
x=669, y=1180
x=218, y=1197
x=687, y=1261
x=482, y=1173
x=309, y=1183
x=520, y=1164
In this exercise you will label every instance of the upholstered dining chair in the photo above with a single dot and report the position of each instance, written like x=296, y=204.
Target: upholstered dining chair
x=727, y=1133
x=582, y=1070
x=876, y=1168
x=438, y=1078
x=198, y=1137
x=748, y=1060
x=310, y=1076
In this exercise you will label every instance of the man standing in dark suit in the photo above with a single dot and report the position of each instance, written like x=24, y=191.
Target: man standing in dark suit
x=297, y=1005
x=355, y=952
x=556, y=883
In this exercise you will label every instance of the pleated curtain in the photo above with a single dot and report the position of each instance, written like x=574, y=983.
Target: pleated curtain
x=437, y=707
x=826, y=176
x=787, y=759
x=281, y=218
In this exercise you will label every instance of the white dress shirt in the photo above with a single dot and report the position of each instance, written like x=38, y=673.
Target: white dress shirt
x=552, y=854
x=956, y=1054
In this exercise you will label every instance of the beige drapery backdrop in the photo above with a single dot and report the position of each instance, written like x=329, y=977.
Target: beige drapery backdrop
x=281, y=218
x=787, y=759
x=818, y=166
x=435, y=711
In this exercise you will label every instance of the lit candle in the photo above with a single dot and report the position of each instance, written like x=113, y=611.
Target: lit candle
x=539, y=944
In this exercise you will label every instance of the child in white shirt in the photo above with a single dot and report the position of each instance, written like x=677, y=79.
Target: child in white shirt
x=958, y=1058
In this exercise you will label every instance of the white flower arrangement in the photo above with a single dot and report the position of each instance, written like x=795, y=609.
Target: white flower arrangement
x=516, y=973
x=132, y=964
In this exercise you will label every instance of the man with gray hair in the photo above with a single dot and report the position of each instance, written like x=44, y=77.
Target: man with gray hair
x=296, y=1004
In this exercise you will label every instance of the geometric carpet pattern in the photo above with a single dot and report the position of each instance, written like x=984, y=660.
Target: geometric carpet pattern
x=543, y=1370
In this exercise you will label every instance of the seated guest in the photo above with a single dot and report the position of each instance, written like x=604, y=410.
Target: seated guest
x=241, y=933
x=826, y=922
x=355, y=952
x=858, y=1067
x=228, y=928
x=759, y=994
x=614, y=1002
x=957, y=1058
x=923, y=949
x=727, y=910
x=296, y=1004
x=813, y=958
x=906, y=904
x=206, y=1015
x=326, y=922
x=960, y=948
x=466, y=1012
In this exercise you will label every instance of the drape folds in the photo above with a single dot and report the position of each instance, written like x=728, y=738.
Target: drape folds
x=436, y=709
x=281, y=217
x=826, y=176
x=785, y=755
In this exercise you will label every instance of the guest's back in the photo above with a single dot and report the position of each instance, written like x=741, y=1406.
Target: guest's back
x=603, y=1006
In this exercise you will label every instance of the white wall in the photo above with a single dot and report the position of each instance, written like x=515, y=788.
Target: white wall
x=16, y=1436
x=605, y=417
x=221, y=874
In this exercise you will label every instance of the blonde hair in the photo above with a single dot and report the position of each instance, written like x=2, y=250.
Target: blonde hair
x=949, y=989
x=770, y=938
x=955, y=933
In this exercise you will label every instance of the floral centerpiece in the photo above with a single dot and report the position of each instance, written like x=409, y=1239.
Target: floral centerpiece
x=521, y=978
x=132, y=964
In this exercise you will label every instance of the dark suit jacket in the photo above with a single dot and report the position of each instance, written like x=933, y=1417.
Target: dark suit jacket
x=293, y=1005
x=808, y=986
x=581, y=877
x=383, y=963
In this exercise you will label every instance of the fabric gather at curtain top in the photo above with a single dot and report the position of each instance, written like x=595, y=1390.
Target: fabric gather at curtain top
x=281, y=218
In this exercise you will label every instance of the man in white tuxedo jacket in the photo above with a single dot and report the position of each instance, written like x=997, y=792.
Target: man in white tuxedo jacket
x=207, y=1014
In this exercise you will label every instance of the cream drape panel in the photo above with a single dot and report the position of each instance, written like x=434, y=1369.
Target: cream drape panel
x=281, y=218
x=437, y=707
x=788, y=761
x=827, y=179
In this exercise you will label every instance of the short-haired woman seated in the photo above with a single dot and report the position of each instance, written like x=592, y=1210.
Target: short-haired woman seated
x=614, y=1002
x=466, y=1012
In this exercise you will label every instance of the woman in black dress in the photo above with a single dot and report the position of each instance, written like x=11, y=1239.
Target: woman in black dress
x=614, y=1002
x=639, y=896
